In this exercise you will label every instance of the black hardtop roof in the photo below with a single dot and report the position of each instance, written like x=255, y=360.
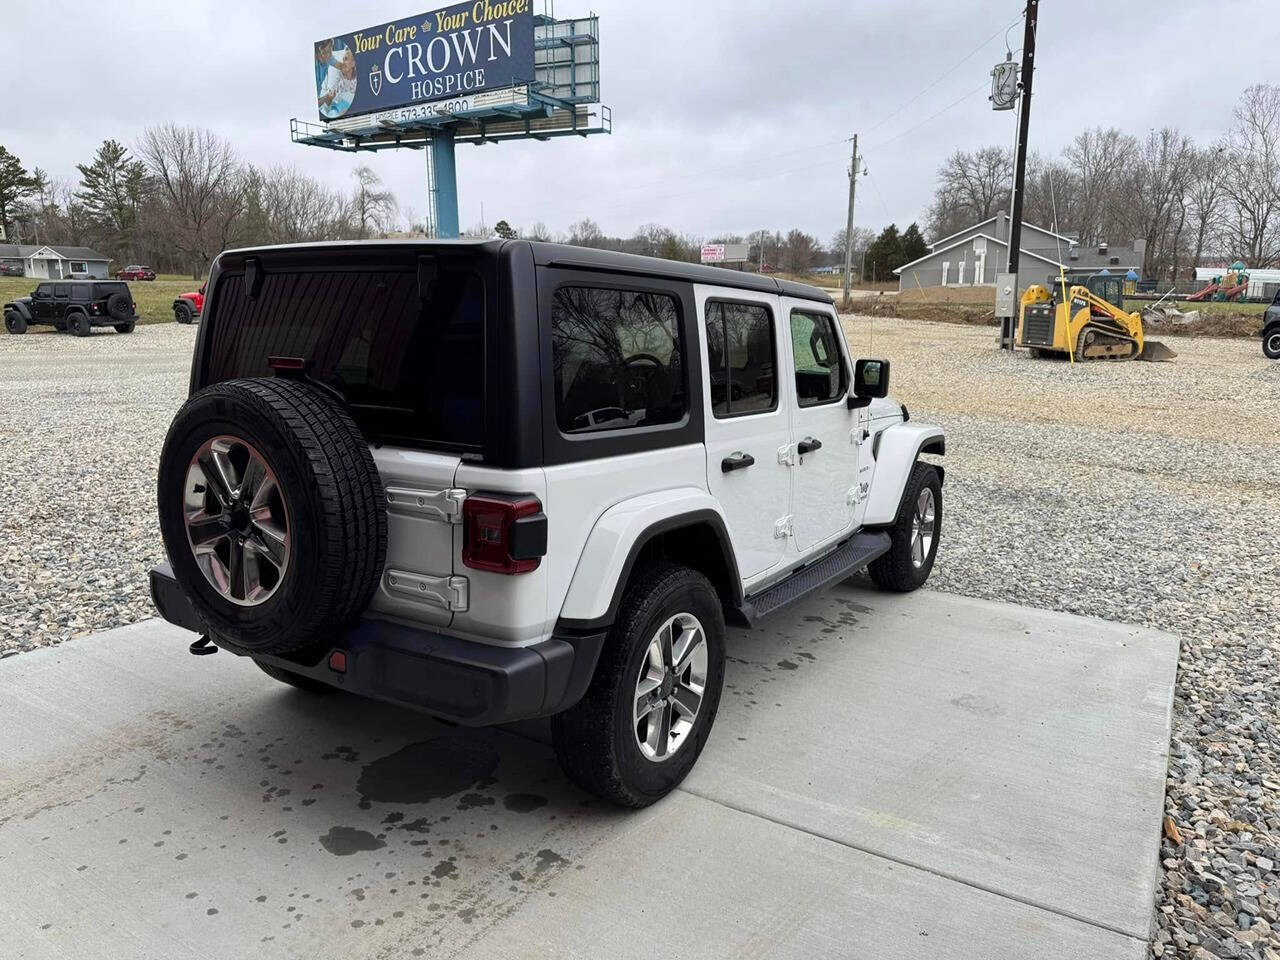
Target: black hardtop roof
x=585, y=258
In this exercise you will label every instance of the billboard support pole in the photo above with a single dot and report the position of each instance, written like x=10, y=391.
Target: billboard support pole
x=442, y=185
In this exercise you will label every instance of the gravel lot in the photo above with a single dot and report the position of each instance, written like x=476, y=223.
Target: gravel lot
x=1136, y=492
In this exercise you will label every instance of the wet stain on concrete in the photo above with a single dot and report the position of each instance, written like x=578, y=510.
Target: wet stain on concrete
x=523, y=802
x=431, y=770
x=445, y=868
x=549, y=858
x=787, y=665
x=344, y=841
x=469, y=801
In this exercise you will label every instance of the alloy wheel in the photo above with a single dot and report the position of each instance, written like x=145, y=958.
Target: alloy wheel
x=923, y=524
x=670, y=687
x=237, y=521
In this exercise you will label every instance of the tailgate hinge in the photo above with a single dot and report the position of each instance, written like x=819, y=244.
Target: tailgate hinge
x=449, y=593
x=445, y=505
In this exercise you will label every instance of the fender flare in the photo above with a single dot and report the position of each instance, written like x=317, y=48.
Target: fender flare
x=22, y=309
x=615, y=542
x=899, y=448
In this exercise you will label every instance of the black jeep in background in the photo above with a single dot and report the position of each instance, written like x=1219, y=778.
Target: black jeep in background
x=75, y=306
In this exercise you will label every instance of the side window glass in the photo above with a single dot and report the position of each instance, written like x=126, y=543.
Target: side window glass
x=80, y=292
x=62, y=291
x=819, y=368
x=618, y=359
x=741, y=356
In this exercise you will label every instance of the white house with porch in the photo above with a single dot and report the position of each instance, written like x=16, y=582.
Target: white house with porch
x=55, y=262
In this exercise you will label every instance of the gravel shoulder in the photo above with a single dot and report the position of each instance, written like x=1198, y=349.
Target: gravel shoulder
x=1136, y=492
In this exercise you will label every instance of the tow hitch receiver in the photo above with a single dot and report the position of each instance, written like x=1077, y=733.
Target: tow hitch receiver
x=202, y=647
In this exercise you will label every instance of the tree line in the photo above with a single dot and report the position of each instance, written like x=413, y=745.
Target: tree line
x=179, y=196
x=1192, y=203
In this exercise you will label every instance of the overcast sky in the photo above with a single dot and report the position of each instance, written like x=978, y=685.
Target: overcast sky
x=726, y=117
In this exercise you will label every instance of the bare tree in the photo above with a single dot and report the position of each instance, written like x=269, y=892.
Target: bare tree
x=294, y=207
x=1158, y=194
x=798, y=251
x=1100, y=160
x=196, y=174
x=539, y=231
x=373, y=208
x=972, y=187
x=1207, y=193
x=1252, y=176
x=585, y=233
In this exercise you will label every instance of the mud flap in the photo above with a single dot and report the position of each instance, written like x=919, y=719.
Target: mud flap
x=1156, y=352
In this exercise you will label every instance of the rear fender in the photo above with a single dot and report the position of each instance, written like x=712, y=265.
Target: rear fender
x=900, y=447
x=615, y=541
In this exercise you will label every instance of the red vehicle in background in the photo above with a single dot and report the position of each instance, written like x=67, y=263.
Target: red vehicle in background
x=188, y=306
x=136, y=271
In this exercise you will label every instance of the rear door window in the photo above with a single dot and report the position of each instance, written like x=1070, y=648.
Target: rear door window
x=618, y=359
x=80, y=292
x=740, y=358
x=410, y=367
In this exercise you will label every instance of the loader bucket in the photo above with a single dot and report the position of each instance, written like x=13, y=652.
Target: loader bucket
x=1156, y=352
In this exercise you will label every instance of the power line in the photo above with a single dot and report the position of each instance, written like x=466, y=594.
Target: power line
x=934, y=116
x=952, y=69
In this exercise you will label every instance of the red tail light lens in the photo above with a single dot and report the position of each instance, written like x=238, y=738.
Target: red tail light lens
x=503, y=533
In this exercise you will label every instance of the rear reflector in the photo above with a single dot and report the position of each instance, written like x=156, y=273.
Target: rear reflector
x=286, y=363
x=503, y=533
x=338, y=661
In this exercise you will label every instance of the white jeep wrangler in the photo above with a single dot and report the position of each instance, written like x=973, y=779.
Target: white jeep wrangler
x=497, y=480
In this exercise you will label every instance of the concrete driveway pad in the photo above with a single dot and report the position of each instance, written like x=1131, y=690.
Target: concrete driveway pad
x=890, y=776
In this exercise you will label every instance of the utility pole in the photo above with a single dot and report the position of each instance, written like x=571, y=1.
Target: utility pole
x=848, y=229
x=1020, y=160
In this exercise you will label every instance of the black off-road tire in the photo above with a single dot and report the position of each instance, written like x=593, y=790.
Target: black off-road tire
x=120, y=307
x=183, y=312
x=1271, y=342
x=295, y=679
x=126, y=327
x=15, y=322
x=895, y=570
x=78, y=324
x=335, y=502
x=595, y=739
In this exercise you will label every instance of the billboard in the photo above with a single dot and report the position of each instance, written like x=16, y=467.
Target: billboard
x=456, y=51
x=724, y=252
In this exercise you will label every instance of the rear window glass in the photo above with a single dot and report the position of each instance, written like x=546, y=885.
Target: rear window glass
x=617, y=357
x=412, y=369
x=107, y=289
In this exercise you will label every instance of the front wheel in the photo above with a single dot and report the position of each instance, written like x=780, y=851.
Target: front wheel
x=1271, y=342
x=914, y=534
x=183, y=313
x=648, y=712
x=15, y=322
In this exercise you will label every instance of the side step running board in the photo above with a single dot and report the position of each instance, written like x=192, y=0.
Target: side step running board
x=854, y=554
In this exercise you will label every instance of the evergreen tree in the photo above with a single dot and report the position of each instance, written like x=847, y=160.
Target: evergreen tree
x=885, y=255
x=15, y=186
x=111, y=189
x=505, y=230
x=913, y=245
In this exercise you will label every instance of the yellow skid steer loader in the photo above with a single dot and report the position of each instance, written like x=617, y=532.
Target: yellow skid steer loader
x=1089, y=324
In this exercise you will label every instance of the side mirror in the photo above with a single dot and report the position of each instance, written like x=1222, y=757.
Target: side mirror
x=870, y=380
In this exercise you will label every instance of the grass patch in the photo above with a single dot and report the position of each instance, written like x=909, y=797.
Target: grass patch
x=153, y=297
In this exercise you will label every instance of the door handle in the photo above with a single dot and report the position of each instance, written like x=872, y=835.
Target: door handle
x=736, y=461
x=808, y=445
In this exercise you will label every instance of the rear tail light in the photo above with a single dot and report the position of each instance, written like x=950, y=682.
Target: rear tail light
x=503, y=533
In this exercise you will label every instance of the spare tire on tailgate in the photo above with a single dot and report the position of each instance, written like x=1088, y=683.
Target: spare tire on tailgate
x=120, y=306
x=272, y=513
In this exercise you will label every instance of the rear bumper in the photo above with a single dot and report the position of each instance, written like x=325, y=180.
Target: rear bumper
x=471, y=683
